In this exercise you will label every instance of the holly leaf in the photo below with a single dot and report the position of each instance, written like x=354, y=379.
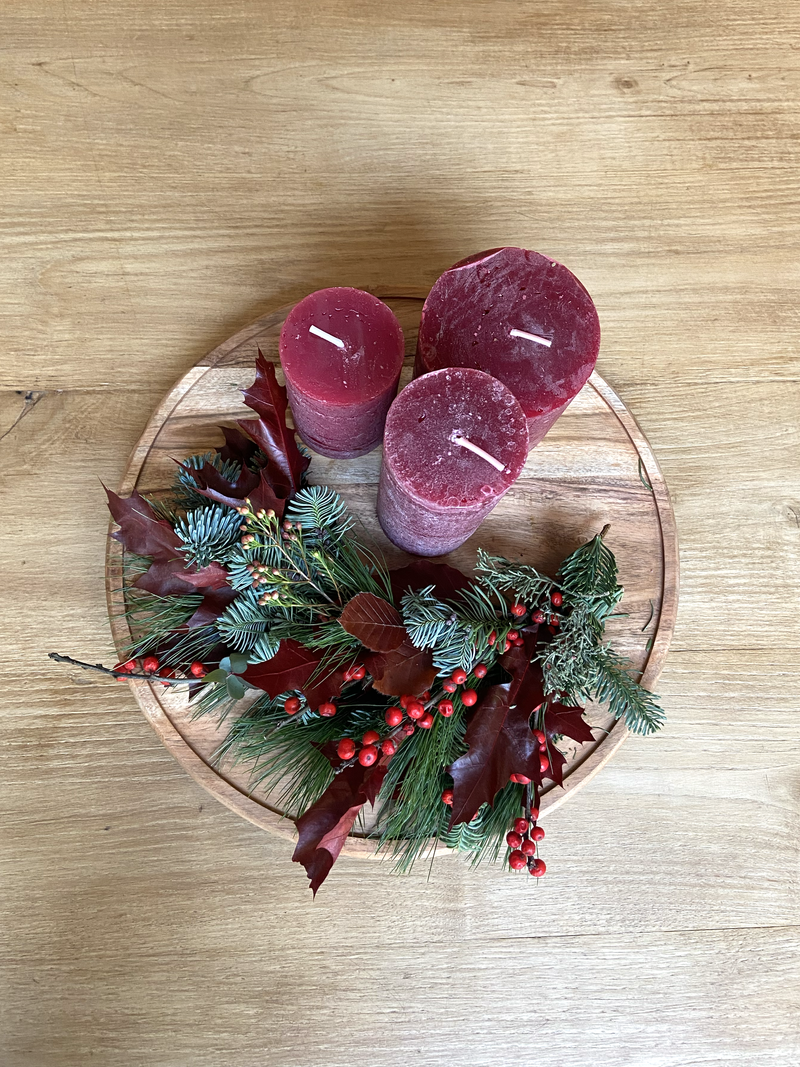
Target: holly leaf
x=285, y=462
x=499, y=738
x=406, y=669
x=374, y=622
x=140, y=531
x=290, y=668
x=323, y=829
x=447, y=582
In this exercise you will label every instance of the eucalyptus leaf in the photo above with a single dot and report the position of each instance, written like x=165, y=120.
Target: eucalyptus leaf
x=216, y=676
x=235, y=687
x=238, y=663
x=225, y=664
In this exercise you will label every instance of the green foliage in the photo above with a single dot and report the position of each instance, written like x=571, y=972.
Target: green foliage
x=184, y=489
x=500, y=576
x=209, y=534
x=457, y=632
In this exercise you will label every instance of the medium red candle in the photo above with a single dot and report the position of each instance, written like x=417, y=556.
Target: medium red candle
x=341, y=351
x=519, y=316
x=455, y=442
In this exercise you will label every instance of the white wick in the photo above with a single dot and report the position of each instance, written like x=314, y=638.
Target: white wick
x=466, y=443
x=531, y=337
x=328, y=336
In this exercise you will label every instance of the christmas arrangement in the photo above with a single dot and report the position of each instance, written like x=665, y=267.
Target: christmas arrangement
x=437, y=700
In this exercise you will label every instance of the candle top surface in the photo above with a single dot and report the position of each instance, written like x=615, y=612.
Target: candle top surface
x=419, y=446
x=367, y=358
x=474, y=306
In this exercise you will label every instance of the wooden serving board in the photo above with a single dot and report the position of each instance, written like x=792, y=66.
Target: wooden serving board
x=594, y=467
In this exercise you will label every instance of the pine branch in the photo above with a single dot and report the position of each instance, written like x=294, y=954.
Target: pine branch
x=626, y=699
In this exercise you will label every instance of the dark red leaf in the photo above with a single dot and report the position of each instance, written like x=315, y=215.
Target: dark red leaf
x=174, y=578
x=500, y=740
x=323, y=685
x=290, y=668
x=569, y=721
x=323, y=829
x=406, y=669
x=256, y=488
x=237, y=447
x=212, y=606
x=285, y=462
x=374, y=622
x=140, y=531
x=447, y=581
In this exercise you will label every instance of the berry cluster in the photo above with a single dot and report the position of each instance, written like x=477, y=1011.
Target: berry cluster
x=150, y=665
x=370, y=750
x=522, y=841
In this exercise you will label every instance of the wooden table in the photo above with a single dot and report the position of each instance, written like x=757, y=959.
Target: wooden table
x=170, y=173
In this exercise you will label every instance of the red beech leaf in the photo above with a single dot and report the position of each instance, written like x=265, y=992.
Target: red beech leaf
x=285, y=463
x=290, y=668
x=407, y=669
x=500, y=740
x=140, y=531
x=447, y=581
x=323, y=829
x=374, y=622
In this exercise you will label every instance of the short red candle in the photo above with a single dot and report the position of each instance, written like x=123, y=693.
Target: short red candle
x=435, y=492
x=519, y=316
x=341, y=351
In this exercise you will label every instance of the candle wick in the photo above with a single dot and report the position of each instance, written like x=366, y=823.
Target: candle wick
x=532, y=337
x=326, y=336
x=466, y=443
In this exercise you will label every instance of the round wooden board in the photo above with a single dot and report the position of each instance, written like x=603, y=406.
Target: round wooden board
x=594, y=467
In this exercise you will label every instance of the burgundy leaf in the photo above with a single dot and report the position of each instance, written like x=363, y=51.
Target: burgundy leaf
x=140, y=531
x=407, y=669
x=447, y=581
x=323, y=685
x=212, y=606
x=323, y=829
x=211, y=481
x=257, y=489
x=174, y=578
x=374, y=622
x=285, y=462
x=290, y=668
x=237, y=447
x=500, y=740
x=569, y=721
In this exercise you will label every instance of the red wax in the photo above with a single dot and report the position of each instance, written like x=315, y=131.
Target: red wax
x=434, y=492
x=340, y=393
x=473, y=307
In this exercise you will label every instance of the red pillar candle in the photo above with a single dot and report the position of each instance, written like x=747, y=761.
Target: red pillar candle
x=341, y=351
x=519, y=316
x=447, y=433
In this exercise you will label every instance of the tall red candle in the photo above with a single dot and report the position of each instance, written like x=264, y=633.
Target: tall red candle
x=519, y=316
x=447, y=433
x=341, y=351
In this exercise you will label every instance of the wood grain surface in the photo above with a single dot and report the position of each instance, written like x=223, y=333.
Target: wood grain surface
x=595, y=470
x=172, y=172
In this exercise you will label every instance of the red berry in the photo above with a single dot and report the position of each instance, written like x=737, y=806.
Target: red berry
x=358, y=673
x=348, y=675
x=346, y=748
x=520, y=779
x=405, y=700
x=538, y=868
x=371, y=737
x=426, y=695
x=291, y=705
x=469, y=697
x=447, y=797
x=556, y=599
x=517, y=861
x=480, y=670
x=513, y=839
x=544, y=764
x=123, y=668
x=197, y=669
x=512, y=635
x=446, y=708
x=393, y=716
x=492, y=637
x=552, y=629
x=408, y=729
x=149, y=664
x=537, y=833
x=506, y=646
x=426, y=722
x=327, y=710
x=554, y=620
x=449, y=687
x=415, y=710
x=459, y=676
x=539, y=735
x=367, y=755
x=165, y=672
x=388, y=747
x=518, y=643
x=538, y=617
x=528, y=847
x=521, y=826
x=518, y=610
x=534, y=814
